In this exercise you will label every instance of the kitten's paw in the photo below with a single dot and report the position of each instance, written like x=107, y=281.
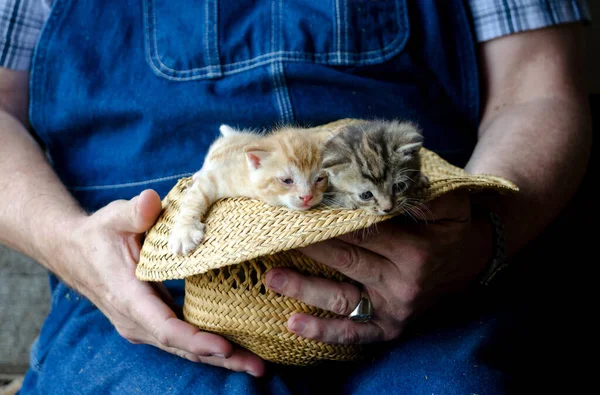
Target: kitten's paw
x=185, y=238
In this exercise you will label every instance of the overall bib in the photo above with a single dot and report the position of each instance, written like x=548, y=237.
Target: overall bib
x=128, y=95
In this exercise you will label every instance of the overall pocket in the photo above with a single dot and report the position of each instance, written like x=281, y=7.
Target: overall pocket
x=189, y=40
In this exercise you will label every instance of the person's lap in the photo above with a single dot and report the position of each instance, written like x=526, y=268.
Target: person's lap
x=450, y=352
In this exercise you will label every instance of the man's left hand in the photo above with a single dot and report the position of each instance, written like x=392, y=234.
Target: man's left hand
x=404, y=266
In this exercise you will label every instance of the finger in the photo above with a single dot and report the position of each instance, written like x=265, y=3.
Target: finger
x=241, y=360
x=136, y=215
x=386, y=240
x=165, y=329
x=335, y=331
x=179, y=334
x=357, y=263
x=339, y=298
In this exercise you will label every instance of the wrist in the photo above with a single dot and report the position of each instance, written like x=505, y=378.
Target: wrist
x=57, y=239
x=482, y=239
x=496, y=245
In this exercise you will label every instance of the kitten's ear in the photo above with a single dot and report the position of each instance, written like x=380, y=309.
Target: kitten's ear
x=255, y=155
x=333, y=163
x=411, y=149
x=227, y=130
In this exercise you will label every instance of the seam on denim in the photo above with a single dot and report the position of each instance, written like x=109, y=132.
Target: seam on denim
x=272, y=27
x=215, y=37
x=285, y=98
x=361, y=58
x=298, y=59
x=289, y=111
x=337, y=43
x=206, y=33
x=128, y=184
x=273, y=66
x=205, y=71
x=347, y=43
x=55, y=18
x=273, y=74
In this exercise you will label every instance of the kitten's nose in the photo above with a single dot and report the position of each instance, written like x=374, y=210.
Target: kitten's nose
x=387, y=209
x=306, y=198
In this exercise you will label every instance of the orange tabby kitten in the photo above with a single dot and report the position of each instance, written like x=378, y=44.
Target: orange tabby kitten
x=282, y=168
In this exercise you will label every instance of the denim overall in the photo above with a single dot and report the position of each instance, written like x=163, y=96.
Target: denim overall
x=127, y=95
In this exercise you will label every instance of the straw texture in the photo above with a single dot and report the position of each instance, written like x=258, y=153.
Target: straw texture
x=225, y=290
x=241, y=229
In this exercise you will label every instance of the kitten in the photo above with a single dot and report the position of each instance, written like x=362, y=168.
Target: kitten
x=374, y=165
x=282, y=168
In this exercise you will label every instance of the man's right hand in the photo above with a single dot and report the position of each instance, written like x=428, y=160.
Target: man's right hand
x=103, y=251
x=94, y=254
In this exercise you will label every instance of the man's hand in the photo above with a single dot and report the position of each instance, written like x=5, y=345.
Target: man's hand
x=103, y=253
x=404, y=266
x=94, y=254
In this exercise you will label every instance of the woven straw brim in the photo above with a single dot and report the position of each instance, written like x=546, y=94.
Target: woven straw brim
x=241, y=229
x=224, y=287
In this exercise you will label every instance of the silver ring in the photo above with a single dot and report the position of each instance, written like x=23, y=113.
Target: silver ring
x=364, y=310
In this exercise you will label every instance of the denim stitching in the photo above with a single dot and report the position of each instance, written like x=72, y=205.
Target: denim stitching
x=215, y=37
x=273, y=74
x=39, y=75
x=272, y=68
x=285, y=94
x=206, y=71
x=337, y=48
x=346, y=43
x=362, y=58
x=128, y=184
x=285, y=99
x=206, y=33
x=272, y=26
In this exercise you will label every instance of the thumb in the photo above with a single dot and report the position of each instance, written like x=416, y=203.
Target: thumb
x=136, y=215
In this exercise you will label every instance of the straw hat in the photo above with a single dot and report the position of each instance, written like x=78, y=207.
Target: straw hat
x=224, y=276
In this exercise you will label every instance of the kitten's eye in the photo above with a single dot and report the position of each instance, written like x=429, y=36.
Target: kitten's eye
x=319, y=179
x=288, y=181
x=366, y=195
x=400, y=187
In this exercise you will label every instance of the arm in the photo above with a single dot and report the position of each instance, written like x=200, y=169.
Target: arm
x=536, y=126
x=95, y=254
x=535, y=131
x=29, y=187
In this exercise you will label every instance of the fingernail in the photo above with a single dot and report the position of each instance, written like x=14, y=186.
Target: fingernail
x=277, y=281
x=251, y=373
x=218, y=355
x=297, y=326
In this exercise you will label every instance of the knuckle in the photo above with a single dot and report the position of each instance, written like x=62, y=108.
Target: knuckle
x=314, y=331
x=345, y=258
x=233, y=365
x=420, y=257
x=183, y=354
x=128, y=335
x=349, y=335
x=339, y=303
x=409, y=293
x=161, y=337
x=403, y=314
x=293, y=288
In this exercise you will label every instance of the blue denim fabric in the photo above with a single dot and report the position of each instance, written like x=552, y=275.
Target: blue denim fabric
x=128, y=95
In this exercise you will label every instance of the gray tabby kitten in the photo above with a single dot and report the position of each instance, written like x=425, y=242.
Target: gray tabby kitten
x=374, y=165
